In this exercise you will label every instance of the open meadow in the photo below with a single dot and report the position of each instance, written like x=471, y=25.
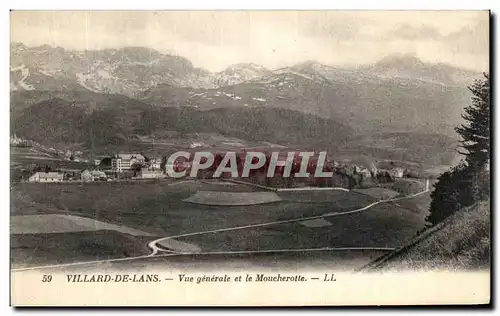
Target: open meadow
x=297, y=221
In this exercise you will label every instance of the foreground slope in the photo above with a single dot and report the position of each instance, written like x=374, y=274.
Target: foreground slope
x=461, y=242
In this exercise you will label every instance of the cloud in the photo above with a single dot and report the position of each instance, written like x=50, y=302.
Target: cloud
x=214, y=40
x=470, y=39
x=409, y=32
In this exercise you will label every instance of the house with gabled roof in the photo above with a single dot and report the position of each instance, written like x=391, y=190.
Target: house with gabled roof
x=46, y=177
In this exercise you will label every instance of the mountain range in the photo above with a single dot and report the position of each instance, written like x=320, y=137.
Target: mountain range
x=130, y=70
x=398, y=93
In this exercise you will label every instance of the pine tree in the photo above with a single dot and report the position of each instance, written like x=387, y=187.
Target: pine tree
x=467, y=183
x=475, y=132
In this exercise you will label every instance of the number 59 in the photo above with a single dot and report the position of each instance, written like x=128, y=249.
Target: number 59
x=46, y=278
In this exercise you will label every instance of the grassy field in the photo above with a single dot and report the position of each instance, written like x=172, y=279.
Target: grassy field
x=158, y=208
x=418, y=205
x=327, y=261
x=46, y=249
x=378, y=193
x=385, y=225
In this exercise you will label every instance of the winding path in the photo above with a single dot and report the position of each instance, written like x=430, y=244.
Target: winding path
x=155, y=249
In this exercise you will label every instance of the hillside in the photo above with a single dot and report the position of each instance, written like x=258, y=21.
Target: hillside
x=55, y=120
x=460, y=242
x=421, y=152
x=61, y=121
x=86, y=99
x=116, y=122
x=369, y=104
x=258, y=124
x=110, y=119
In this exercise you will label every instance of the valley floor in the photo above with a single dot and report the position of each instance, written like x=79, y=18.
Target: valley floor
x=342, y=230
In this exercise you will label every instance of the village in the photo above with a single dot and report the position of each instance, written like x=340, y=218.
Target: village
x=139, y=167
x=116, y=168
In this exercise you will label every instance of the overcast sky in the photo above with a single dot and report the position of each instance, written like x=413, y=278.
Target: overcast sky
x=215, y=40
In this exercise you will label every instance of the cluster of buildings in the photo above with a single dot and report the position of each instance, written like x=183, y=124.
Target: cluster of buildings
x=19, y=142
x=86, y=175
x=122, y=165
x=147, y=168
x=135, y=166
x=16, y=141
x=374, y=172
x=127, y=162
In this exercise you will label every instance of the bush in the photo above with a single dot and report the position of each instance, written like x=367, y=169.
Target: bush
x=455, y=189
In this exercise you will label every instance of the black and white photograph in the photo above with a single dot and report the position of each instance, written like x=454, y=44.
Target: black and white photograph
x=197, y=152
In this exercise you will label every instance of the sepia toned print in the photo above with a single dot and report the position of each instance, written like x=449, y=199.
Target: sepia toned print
x=263, y=153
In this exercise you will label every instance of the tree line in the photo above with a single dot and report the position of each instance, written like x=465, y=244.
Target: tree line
x=468, y=182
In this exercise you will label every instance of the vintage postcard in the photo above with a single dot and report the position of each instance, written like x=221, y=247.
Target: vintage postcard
x=249, y=158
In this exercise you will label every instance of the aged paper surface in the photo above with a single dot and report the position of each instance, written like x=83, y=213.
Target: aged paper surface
x=249, y=158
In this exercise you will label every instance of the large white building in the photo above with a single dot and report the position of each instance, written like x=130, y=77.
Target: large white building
x=46, y=177
x=124, y=162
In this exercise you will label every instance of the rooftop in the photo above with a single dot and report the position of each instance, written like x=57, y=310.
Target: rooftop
x=130, y=156
x=49, y=174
